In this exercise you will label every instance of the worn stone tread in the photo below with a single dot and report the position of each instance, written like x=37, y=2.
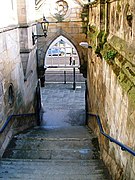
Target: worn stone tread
x=51, y=169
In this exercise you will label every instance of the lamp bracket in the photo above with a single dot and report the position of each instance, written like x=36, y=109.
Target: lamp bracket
x=36, y=36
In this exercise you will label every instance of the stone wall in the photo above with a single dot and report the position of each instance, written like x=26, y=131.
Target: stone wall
x=111, y=81
x=70, y=25
x=18, y=73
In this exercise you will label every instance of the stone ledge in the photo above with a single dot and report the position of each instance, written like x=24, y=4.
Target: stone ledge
x=27, y=25
x=8, y=28
x=127, y=51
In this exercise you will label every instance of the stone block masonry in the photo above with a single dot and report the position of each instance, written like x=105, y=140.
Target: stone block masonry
x=18, y=76
x=111, y=82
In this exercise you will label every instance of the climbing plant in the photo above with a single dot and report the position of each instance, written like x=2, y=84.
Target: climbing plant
x=110, y=55
x=108, y=52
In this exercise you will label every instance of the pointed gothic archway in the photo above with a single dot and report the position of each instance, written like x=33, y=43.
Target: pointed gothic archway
x=62, y=62
x=61, y=53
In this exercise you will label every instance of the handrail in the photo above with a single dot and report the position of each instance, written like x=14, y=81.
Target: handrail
x=10, y=118
x=37, y=113
x=123, y=147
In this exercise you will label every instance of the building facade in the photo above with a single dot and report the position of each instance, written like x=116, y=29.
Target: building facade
x=18, y=75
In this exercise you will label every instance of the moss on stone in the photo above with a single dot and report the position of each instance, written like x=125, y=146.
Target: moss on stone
x=110, y=55
x=97, y=38
x=118, y=7
x=120, y=60
x=122, y=47
x=126, y=84
x=108, y=52
x=116, y=69
x=92, y=34
x=131, y=95
x=85, y=18
x=121, y=76
x=118, y=65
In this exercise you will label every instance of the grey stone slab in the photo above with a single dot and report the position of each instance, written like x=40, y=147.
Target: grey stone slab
x=47, y=144
x=52, y=169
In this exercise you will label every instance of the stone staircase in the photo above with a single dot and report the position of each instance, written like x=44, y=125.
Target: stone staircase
x=53, y=153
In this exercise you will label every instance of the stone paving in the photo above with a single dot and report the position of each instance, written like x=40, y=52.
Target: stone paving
x=61, y=75
x=62, y=105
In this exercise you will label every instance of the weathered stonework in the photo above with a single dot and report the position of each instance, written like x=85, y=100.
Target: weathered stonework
x=71, y=27
x=17, y=69
x=111, y=82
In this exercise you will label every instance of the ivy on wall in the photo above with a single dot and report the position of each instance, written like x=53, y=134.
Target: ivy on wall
x=108, y=52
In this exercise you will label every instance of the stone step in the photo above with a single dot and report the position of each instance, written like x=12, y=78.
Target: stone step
x=52, y=170
x=53, y=143
x=50, y=144
x=50, y=154
x=53, y=153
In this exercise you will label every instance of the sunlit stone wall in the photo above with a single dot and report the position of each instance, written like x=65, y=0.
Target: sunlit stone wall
x=67, y=23
x=18, y=77
x=111, y=81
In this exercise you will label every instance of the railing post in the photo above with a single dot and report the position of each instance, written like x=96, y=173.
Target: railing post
x=38, y=96
x=86, y=103
x=74, y=84
x=64, y=77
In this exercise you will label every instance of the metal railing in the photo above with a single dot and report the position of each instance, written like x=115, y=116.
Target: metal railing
x=10, y=118
x=38, y=104
x=37, y=113
x=123, y=147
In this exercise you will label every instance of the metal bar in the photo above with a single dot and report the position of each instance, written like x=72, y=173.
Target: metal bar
x=52, y=22
x=86, y=103
x=10, y=118
x=64, y=77
x=123, y=147
x=38, y=108
x=74, y=83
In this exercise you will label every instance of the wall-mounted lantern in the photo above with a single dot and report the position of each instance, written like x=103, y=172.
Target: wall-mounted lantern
x=44, y=24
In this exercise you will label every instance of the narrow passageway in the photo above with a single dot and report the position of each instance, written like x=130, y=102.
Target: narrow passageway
x=62, y=105
x=62, y=148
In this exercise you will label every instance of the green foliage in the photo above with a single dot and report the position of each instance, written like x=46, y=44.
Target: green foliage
x=110, y=55
x=92, y=34
x=108, y=52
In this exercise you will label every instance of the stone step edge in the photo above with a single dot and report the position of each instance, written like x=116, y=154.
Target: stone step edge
x=53, y=139
x=43, y=160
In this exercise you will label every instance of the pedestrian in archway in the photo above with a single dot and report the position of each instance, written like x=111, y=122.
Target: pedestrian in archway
x=70, y=60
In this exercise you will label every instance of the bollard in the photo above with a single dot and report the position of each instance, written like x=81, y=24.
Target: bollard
x=64, y=77
x=74, y=78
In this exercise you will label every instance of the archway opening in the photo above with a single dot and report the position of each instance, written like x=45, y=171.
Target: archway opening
x=62, y=62
x=61, y=53
x=64, y=85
